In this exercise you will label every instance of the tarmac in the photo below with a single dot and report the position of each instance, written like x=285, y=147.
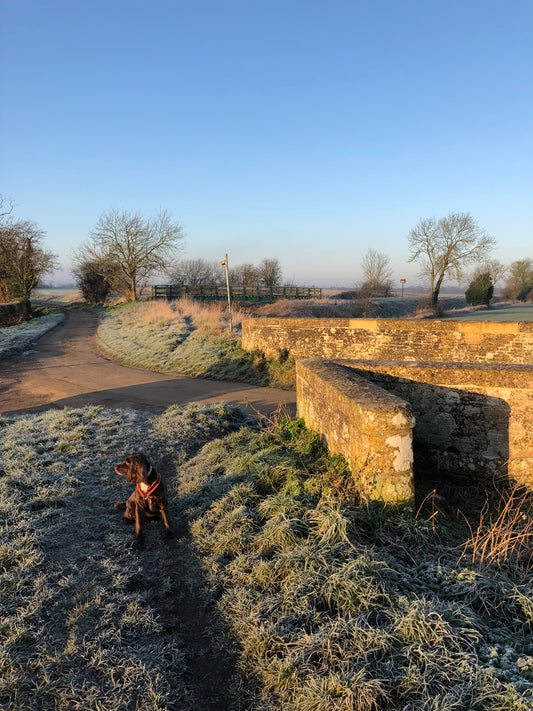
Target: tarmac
x=65, y=369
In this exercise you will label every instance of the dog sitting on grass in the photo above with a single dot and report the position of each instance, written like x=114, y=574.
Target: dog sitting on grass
x=149, y=500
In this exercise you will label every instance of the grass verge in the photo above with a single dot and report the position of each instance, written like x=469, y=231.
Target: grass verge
x=14, y=339
x=187, y=338
x=337, y=605
x=326, y=603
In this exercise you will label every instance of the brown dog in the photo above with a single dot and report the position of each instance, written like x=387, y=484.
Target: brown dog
x=149, y=500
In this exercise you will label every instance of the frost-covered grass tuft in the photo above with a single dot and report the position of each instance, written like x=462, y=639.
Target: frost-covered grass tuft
x=185, y=337
x=81, y=624
x=14, y=339
x=337, y=604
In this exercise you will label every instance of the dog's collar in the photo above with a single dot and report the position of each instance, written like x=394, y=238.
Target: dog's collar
x=146, y=494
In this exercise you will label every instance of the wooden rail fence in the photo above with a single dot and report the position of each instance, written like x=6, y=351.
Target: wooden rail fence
x=238, y=293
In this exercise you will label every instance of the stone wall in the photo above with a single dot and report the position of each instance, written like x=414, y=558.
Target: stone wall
x=472, y=420
x=469, y=386
x=369, y=426
x=392, y=339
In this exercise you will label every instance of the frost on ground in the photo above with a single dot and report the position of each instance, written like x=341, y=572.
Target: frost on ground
x=340, y=605
x=187, y=338
x=88, y=620
x=325, y=602
x=14, y=339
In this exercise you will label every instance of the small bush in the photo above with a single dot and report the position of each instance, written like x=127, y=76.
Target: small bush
x=92, y=282
x=480, y=291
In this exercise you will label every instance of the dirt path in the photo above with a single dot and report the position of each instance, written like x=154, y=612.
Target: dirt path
x=65, y=369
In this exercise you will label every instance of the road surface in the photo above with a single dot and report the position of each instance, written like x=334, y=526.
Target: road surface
x=65, y=369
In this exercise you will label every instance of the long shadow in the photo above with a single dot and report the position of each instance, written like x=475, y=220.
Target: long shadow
x=158, y=396
x=460, y=439
x=186, y=604
x=188, y=611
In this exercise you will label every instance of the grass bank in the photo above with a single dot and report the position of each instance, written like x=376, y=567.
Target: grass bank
x=21, y=337
x=193, y=338
x=185, y=337
x=88, y=620
x=338, y=605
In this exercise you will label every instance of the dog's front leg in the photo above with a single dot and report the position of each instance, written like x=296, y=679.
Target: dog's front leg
x=129, y=513
x=139, y=520
x=167, y=520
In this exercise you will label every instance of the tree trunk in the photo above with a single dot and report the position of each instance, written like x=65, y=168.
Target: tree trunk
x=133, y=289
x=26, y=309
x=435, y=293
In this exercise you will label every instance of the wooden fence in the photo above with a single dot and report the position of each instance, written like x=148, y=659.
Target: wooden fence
x=238, y=293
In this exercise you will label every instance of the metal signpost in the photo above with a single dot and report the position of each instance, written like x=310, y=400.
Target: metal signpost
x=224, y=263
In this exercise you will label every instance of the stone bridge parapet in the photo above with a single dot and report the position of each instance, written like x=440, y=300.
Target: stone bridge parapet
x=392, y=339
x=457, y=397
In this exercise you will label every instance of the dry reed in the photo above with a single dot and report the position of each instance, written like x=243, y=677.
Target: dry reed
x=203, y=314
x=506, y=536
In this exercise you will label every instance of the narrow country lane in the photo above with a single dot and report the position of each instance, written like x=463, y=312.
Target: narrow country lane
x=65, y=369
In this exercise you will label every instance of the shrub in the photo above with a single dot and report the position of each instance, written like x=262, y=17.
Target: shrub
x=519, y=283
x=92, y=283
x=480, y=290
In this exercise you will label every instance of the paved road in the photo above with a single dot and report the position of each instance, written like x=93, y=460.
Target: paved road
x=65, y=369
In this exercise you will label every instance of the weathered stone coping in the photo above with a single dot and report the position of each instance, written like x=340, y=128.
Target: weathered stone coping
x=392, y=339
x=388, y=324
x=504, y=375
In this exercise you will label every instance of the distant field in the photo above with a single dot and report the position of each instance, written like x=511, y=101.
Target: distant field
x=57, y=296
x=511, y=312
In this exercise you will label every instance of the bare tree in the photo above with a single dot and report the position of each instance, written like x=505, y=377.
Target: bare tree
x=6, y=208
x=5, y=212
x=520, y=279
x=132, y=247
x=494, y=267
x=245, y=275
x=196, y=272
x=23, y=260
x=446, y=246
x=377, y=272
x=270, y=272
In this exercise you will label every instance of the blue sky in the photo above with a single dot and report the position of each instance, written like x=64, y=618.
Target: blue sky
x=305, y=130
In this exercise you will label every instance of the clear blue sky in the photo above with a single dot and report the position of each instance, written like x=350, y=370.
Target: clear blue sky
x=308, y=130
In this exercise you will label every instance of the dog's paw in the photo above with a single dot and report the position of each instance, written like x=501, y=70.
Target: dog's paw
x=120, y=506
